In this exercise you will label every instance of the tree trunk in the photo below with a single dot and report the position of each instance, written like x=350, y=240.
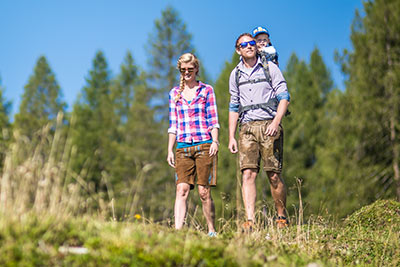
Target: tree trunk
x=395, y=147
x=393, y=114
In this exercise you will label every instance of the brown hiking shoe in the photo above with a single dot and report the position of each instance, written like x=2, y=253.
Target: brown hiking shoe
x=282, y=222
x=248, y=226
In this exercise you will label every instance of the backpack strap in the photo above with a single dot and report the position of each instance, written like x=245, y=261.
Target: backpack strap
x=253, y=81
x=237, y=76
x=272, y=105
x=264, y=62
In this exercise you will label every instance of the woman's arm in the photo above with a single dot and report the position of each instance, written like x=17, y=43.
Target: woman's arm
x=215, y=143
x=171, y=143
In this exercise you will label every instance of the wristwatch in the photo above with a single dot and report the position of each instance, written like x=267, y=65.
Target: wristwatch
x=214, y=141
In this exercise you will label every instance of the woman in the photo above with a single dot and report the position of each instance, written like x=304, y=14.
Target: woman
x=193, y=124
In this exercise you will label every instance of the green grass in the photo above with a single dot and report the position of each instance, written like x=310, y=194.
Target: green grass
x=368, y=237
x=47, y=210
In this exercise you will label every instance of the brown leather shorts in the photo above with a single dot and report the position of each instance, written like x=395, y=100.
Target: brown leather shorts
x=254, y=144
x=195, y=161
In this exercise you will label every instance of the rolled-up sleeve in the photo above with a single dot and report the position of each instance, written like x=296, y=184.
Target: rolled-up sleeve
x=234, y=92
x=211, y=109
x=172, y=114
x=279, y=83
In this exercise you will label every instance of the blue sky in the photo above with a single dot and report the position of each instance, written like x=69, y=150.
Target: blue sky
x=70, y=32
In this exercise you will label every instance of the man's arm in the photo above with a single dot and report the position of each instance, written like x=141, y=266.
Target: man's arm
x=273, y=128
x=233, y=118
x=234, y=105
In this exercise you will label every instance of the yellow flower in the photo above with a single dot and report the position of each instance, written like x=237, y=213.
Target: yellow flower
x=137, y=216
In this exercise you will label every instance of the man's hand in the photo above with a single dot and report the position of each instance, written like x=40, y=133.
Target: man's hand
x=233, y=145
x=171, y=159
x=272, y=129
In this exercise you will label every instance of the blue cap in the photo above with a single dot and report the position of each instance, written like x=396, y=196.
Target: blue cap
x=257, y=30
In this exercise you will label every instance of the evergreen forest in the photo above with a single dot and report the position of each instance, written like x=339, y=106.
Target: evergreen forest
x=341, y=147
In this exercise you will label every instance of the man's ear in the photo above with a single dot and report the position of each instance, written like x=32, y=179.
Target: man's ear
x=238, y=52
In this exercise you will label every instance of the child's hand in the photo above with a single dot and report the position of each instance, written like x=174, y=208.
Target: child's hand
x=269, y=50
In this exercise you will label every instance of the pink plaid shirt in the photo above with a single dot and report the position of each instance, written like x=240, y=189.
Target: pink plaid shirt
x=193, y=122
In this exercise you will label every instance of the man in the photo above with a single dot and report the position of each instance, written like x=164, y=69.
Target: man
x=260, y=136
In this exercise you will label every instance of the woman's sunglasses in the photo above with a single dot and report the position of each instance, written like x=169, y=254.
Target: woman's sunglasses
x=190, y=70
x=244, y=44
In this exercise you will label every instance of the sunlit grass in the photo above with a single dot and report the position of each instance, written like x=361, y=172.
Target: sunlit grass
x=50, y=216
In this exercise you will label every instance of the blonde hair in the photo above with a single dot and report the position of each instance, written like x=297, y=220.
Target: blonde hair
x=185, y=58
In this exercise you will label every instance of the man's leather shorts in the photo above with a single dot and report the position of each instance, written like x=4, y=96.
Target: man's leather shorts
x=255, y=145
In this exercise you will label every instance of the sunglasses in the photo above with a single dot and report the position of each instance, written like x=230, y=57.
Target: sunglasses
x=244, y=44
x=190, y=70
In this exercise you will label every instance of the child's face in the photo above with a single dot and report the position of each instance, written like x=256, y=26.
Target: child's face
x=262, y=40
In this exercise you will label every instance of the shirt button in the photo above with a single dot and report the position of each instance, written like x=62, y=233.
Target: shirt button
x=249, y=89
x=251, y=100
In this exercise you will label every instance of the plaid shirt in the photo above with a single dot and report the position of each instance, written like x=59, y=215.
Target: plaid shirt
x=193, y=122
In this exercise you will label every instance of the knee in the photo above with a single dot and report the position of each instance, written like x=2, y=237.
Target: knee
x=274, y=179
x=182, y=192
x=204, y=195
x=249, y=176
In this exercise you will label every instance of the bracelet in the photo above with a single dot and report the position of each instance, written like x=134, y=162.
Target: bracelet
x=214, y=141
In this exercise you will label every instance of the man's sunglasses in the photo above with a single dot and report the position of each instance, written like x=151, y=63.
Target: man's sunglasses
x=244, y=44
x=190, y=70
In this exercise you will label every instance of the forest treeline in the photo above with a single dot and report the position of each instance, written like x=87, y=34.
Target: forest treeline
x=341, y=146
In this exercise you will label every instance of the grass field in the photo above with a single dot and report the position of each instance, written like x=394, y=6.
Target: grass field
x=368, y=237
x=47, y=219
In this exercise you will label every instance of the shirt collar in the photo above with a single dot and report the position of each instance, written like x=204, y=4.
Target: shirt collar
x=201, y=86
x=242, y=67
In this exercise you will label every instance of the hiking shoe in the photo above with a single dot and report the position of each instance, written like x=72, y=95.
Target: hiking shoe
x=282, y=222
x=212, y=234
x=248, y=226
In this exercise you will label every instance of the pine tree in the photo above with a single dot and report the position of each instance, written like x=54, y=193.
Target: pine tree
x=94, y=125
x=358, y=162
x=169, y=41
x=334, y=187
x=139, y=166
x=145, y=152
x=41, y=101
x=373, y=90
x=309, y=85
x=123, y=90
x=5, y=126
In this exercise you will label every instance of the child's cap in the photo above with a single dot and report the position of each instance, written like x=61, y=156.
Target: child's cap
x=257, y=30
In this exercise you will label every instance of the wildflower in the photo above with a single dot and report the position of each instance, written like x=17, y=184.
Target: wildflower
x=137, y=216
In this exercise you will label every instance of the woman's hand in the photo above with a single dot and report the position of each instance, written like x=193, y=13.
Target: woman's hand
x=171, y=159
x=213, y=148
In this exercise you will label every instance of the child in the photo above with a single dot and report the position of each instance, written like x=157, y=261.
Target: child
x=264, y=45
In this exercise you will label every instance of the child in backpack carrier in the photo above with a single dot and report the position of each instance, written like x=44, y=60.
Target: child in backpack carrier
x=264, y=45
